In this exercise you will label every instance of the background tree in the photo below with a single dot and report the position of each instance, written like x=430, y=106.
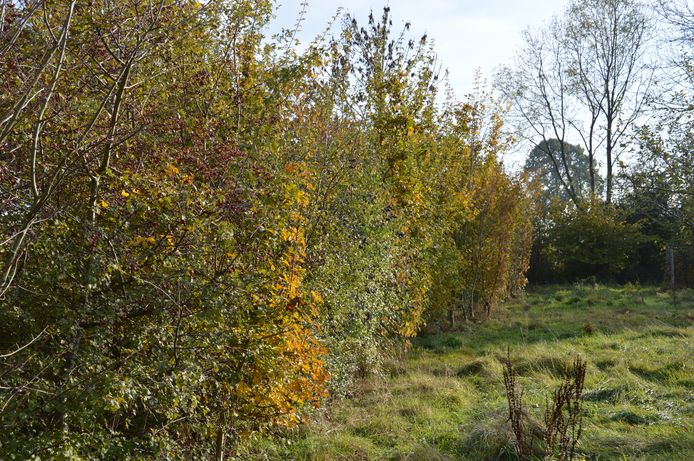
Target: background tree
x=677, y=74
x=607, y=43
x=584, y=75
x=596, y=242
x=538, y=90
x=657, y=184
x=539, y=164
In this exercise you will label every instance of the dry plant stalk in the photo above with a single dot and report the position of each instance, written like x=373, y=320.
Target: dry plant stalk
x=563, y=423
x=514, y=396
x=563, y=420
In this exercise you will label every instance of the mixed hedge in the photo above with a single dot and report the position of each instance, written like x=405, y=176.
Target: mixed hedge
x=205, y=232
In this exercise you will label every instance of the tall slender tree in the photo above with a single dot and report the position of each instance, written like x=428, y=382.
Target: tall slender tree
x=586, y=75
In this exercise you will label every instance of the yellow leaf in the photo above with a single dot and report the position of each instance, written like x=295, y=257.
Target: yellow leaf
x=301, y=198
x=317, y=298
x=146, y=241
x=171, y=170
x=124, y=193
x=103, y=204
x=287, y=235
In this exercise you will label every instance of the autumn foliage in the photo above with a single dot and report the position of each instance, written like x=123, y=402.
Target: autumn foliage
x=204, y=232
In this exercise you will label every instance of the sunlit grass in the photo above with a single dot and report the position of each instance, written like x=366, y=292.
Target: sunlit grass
x=445, y=399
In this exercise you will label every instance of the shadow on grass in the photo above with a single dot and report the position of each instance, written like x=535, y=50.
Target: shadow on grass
x=548, y=314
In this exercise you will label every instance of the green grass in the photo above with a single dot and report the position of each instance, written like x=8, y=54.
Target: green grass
x=445, y=399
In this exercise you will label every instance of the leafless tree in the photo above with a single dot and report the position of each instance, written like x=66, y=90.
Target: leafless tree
x=538, y=90
x=607, y=41
x=677, y=66
x=586, y=74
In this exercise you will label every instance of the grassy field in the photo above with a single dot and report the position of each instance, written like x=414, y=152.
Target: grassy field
x=445, y=401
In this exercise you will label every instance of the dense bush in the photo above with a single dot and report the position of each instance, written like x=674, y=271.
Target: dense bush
x=577, y=243
x=200, y=227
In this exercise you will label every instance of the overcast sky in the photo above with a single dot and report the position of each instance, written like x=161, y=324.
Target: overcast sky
x=468, y=34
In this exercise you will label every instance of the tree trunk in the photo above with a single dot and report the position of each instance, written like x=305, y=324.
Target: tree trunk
x=608, y=179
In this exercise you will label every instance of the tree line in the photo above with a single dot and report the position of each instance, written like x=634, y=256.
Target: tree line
x=604, y=94
x=205, y=232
